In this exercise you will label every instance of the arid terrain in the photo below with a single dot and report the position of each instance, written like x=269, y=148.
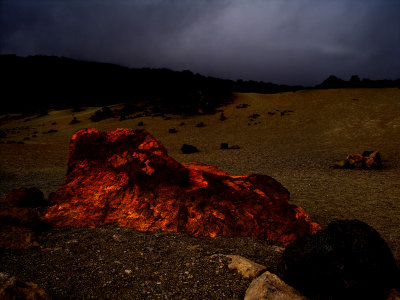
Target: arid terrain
x=293, y=137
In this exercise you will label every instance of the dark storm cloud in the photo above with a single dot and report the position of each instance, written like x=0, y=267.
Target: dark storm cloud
x=285, y=41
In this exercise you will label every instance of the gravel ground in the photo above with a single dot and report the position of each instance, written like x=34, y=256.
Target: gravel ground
x=120, y=263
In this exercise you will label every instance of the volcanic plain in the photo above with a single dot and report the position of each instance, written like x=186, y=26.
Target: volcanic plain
x=293, y=137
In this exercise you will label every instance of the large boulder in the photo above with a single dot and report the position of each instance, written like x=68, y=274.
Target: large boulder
x=347, y=260
x=126, y=177
x=20, y=224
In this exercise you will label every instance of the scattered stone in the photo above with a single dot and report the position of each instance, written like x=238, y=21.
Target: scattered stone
x=74, y=121
x=222, y=117
x=167, y=118
x=188, y=149
x=54, y=123
x=172, y=130
x=243, y=105
x=128, y=271
x=27, y=138
x=136, y=184
x=182, y=124
x=201, y=124
x=140, y=123
x=102, y=114
x=254, y=116
x=347, y=260
x=270, y=287
x=12, y=288
x=245, y=267
x=224, y=146
x=366, y=160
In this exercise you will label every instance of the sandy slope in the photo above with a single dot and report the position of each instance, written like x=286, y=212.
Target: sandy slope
x=296, y=149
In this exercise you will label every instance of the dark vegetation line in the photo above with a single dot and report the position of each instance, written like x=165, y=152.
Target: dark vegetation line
x=37, y=83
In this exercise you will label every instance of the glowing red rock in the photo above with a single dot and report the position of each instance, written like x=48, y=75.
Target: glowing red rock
x=126, y=177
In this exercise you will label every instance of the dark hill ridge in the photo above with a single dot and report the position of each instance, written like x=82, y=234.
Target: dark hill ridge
x=42, y=82
x=36, y=83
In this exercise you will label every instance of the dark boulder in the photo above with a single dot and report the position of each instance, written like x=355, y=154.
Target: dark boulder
x=20, y=224
x=347, y=260
x=188, y=149
x=13, y=288
x=224, y=146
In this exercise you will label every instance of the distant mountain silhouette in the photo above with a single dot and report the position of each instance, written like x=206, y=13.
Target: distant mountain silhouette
x=333, y=82
x=34, y=84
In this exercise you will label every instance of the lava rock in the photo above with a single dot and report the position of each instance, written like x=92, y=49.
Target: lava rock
x=188, y=149
x=347, y=260
x=126, y=177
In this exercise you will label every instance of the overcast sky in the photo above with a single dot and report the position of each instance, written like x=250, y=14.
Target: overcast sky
x=283, y=41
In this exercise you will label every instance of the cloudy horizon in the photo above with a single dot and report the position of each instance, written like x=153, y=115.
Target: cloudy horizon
x=292, y=42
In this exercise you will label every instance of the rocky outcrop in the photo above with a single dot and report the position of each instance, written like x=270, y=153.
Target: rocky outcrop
x=347, y=260
x=270, y=287
x=366, y=160
x=126, y=177
x=20, y=224
x=12, y=288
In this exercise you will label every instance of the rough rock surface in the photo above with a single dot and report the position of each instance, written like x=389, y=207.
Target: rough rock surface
x=126, y=177
x=19, y=219
x=347, y=260
x=12, y=288
x=270, y=287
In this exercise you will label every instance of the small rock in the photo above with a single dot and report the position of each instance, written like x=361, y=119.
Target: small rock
x=234, y=147
x=127, y=271
x=243, y=105
x=172, y=130
x=201, y=124
x=222, y=117
x=244, y=266
x=270, y=287
x=188, y=149
x=140, y=123
x=224, y=146
x=116, y=238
